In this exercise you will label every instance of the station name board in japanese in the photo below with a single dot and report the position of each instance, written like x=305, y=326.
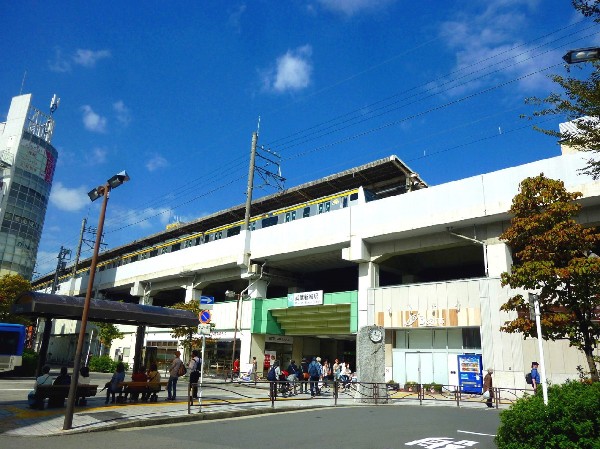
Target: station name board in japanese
x=305, y=299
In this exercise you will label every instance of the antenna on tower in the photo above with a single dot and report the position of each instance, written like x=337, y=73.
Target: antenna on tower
x=23, y=82
x=54, y=103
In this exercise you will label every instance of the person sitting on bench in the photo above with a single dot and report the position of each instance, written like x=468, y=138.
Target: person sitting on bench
x=62, y=379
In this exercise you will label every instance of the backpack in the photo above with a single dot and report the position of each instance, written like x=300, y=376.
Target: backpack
x=182, y=370
x=271, y=374
x=528, y=379
x=313, y=370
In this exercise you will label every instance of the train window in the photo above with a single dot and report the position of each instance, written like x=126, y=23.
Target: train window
x=354, y=196
x=370, y=196
x=218, y=235
x=188, y=243
x=290, y=216
x=134, y=258
x=306, y=212
x=253, y=226
x=176, y=247
x=206, y=238
x=154, y=253
x=233, y=231
x=198, y=240
x=164, y=250
x=324, y=207
x=345, y=202
x=270, y=221
x=144, y=256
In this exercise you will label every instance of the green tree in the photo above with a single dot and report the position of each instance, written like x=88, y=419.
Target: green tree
x=11, y=286
x=107, y=332
x=579, y=103
x=187, y=335
x=551, y=255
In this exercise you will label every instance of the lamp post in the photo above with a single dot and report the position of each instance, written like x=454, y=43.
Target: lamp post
x=100, y=191
x=534, y=311
x=582, y=55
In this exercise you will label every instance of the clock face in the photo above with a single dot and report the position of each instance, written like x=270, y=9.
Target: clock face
x=376, y=335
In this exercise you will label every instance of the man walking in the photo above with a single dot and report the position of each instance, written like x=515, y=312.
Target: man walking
x=535, y=376
x=194, y=368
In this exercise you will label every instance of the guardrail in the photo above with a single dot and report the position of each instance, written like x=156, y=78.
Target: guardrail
x=219, y=393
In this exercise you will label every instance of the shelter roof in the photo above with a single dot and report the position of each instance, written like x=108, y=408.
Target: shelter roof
x=45, y=305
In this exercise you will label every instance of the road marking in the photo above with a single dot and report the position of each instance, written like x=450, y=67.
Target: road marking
x=477, y=433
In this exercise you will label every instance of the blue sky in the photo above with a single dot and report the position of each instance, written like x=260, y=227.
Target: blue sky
x=172, y=91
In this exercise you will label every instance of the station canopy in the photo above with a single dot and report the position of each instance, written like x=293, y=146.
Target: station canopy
x=46, y=305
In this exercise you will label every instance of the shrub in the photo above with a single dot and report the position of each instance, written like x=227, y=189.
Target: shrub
x=30, y=360
x=104, y=364
x=433, y=387
x=570, y=420
x=411, y=385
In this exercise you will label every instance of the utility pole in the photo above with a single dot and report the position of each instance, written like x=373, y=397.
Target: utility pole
x=78, y=253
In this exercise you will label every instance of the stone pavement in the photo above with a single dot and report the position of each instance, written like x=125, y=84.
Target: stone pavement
x=220, y=401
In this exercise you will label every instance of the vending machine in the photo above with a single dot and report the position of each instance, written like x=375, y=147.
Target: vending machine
x=470, y=373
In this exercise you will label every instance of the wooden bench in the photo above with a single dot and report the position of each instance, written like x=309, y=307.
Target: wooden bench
x=57, y=394
x=133, y=389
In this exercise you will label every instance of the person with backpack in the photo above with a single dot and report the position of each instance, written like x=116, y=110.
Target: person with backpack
x=194, y=368
x=174, y=370
x=272, y=376
x=315, y=373
x=535, y=376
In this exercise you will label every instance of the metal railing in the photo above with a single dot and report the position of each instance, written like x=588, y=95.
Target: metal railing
x=218, y=393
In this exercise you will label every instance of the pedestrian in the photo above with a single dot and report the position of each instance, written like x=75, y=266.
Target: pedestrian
x=254, y=368
x=294, y=375
x=173, y=376
x=314, y=372
x=84, y=379
x=194, y=368
x=535, y=376
x=488, y=387
x=326, y=372
x=273, y=377
x=236, y=368
x=305, y=376
x=112, y=386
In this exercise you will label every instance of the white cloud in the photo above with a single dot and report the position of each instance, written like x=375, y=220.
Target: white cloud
x=81, y=57
x=351, y=7
x=88, y=58
x=59, y=64
x=156, y=162
x=67, y=199
x=235, y=17
x=479, y=34
x=141, y=218
x=96, y=156
x=292, y=71
x=123, y=113
x=92, y=121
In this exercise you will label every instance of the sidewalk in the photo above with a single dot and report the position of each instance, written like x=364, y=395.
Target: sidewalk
x=220, y=401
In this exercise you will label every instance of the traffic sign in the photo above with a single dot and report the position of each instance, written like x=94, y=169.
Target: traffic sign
x=204, y=316
x=207, y=302
x=204, y=329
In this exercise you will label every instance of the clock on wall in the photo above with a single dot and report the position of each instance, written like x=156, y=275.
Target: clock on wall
x=376, y=335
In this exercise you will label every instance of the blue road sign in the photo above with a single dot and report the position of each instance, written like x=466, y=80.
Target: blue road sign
x=207, y=299
x=204, y=316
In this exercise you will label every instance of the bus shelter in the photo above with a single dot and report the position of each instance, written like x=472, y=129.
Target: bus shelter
x=49, y=306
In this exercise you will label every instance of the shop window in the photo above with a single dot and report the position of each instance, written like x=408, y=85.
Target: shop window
x=471, y=338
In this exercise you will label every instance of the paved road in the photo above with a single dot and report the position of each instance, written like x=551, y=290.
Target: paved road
x=364, y=427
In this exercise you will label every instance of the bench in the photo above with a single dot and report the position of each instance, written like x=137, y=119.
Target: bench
x=133, y=389
x=57, y=394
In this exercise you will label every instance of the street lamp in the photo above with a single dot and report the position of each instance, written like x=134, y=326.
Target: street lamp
x=94, y=194
x=582, y=55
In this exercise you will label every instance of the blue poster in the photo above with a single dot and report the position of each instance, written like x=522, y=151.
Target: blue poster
x=470, y=373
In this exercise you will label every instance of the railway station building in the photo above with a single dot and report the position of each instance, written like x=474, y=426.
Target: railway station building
x=371, y=246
